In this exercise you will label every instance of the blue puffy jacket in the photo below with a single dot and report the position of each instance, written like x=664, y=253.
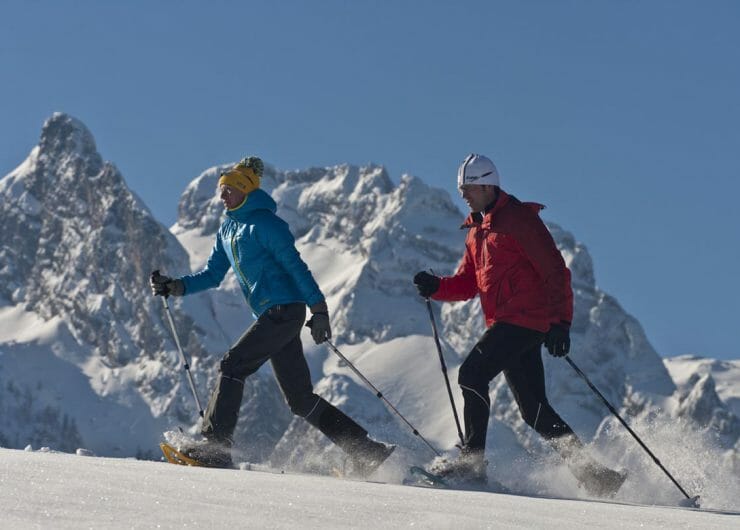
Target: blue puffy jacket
x=258, y=245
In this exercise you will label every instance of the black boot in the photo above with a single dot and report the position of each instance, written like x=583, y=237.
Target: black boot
x=598, y=480
x=209, y=453
x=369, y=455
x=366, y=454
x=468, y=468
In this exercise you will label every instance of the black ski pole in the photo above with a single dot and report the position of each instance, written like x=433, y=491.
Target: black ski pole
x=613, y=411
x=444, y=372
x=184, y=360
x=380, y=395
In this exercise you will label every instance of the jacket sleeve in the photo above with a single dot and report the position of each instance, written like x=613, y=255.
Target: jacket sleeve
x=212, y=274
x=462, y=285
x=540, y=249
x=274, y=235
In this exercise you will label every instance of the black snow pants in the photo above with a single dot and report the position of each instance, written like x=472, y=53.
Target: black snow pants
x=514, y=350
x=275, y=336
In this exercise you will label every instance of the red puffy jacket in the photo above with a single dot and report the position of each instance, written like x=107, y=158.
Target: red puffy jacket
x=511, y=260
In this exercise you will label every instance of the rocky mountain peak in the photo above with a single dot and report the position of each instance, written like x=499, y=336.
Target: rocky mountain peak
x=79, y=246
x=62, y=133
x=76, y=251
x=700, y=403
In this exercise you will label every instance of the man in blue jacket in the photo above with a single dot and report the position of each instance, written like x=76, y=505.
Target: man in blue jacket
x=278, y=286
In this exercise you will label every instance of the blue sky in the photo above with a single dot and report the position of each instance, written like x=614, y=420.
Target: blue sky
x=623, y=117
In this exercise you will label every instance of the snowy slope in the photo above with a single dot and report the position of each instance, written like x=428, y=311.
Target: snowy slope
x=364, y=238
x=87, y=360
x=62, y=491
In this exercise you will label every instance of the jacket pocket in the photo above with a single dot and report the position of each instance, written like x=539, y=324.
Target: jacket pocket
x=506, y=292
x=497, y=256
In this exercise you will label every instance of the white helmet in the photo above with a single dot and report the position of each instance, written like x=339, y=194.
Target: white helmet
x=477, y=169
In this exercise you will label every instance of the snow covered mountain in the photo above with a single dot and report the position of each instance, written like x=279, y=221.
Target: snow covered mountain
x=87, y=360
x=86, y=355
x=365, y=238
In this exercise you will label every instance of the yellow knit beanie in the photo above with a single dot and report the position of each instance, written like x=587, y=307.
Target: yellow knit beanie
x=244, y=176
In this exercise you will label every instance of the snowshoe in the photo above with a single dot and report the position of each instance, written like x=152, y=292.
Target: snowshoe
x=173, y=456
x=369, y=457
x=421, y=476
x=598, y=480
x=204, y=453
x=470, y=468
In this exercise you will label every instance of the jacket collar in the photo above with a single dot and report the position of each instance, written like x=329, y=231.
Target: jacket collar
x=256, y=200
x=485, y=220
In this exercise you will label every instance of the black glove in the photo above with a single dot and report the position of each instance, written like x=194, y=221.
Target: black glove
x=319, y=326
x=165, y=286
x=557, y=340
x=427, y=284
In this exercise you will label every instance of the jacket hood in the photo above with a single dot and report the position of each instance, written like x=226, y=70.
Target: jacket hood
x=256, y=200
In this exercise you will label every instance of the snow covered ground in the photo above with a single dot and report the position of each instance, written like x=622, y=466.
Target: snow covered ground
x=87, y=360
x=56, y=490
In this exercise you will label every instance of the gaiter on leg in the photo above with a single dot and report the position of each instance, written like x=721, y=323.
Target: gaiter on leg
x=222, y=411
x=340, y=429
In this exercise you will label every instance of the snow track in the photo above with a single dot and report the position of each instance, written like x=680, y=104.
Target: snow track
x=42, y=489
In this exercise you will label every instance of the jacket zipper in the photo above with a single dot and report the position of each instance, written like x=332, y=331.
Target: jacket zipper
x=236, y=263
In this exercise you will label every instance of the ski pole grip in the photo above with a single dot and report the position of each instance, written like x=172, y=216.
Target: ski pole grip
x=156, y=274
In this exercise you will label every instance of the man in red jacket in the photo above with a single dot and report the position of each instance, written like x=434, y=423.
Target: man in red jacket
x=513, y=264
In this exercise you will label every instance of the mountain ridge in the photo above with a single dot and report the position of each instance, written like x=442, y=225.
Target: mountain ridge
x=87, y=245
